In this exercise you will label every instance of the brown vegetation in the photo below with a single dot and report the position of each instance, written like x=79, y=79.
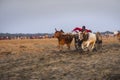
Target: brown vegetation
x=40, y=59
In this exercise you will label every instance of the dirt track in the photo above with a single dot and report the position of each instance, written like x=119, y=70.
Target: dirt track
x=41, y=60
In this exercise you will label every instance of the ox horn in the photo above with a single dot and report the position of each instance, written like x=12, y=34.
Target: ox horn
x=55, y=29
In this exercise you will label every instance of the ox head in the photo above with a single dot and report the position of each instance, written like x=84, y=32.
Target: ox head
x=83, y=35
x=55, y=29
x=58, y=33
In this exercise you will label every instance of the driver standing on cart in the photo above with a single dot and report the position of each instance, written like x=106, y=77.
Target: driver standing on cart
x=77, y=29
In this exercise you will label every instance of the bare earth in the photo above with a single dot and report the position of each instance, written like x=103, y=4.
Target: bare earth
x=40, y=59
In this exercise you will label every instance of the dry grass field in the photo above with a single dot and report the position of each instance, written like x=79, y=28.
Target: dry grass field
x=40, y=59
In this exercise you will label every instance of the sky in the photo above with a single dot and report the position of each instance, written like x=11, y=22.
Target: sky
x=43, y=16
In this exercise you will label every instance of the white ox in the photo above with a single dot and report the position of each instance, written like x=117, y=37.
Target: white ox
x=117, y=34
x=88, y=41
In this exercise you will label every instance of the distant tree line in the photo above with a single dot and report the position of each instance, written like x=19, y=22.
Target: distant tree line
x=9, y=36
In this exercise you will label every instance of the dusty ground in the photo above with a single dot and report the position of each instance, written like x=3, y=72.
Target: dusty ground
x=39, y=59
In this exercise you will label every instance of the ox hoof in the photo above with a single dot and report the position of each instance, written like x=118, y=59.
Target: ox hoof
x=86, y=49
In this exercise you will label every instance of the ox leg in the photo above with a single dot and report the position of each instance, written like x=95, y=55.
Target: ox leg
x=93, y=46
x=88, y=45
x=85, y=46
x=68, y=45
x=58, y=44
x=60, y=47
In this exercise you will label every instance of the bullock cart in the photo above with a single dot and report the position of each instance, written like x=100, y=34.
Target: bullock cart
x=87, y=42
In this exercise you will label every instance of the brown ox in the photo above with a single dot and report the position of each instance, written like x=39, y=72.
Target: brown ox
x=63, y=39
